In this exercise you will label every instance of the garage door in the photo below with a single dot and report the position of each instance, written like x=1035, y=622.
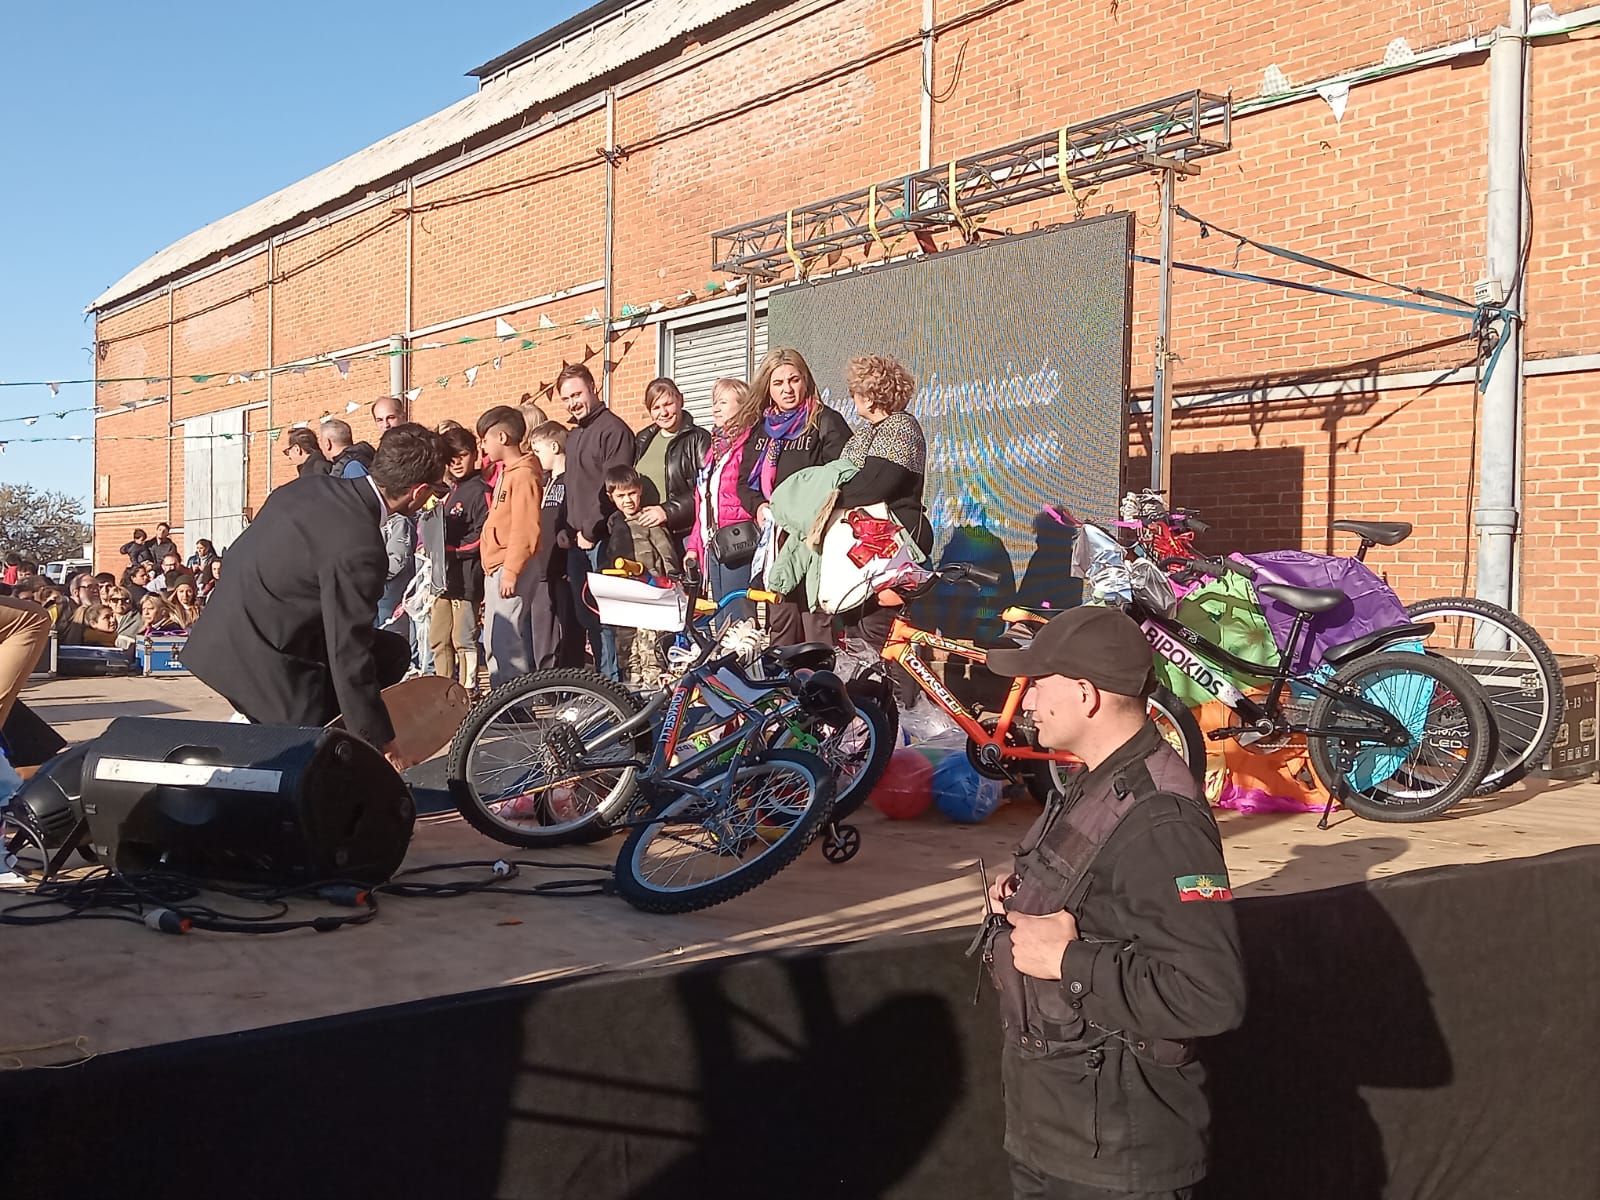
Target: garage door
x=696, y=356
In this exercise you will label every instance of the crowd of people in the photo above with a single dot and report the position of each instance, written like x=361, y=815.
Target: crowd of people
x=494, y=568
x=493, y=571
x=158, y=593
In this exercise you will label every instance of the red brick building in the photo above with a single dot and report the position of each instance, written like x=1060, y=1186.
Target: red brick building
x=1360, y=135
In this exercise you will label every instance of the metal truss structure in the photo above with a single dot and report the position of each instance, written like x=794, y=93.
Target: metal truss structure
x=1072, y=160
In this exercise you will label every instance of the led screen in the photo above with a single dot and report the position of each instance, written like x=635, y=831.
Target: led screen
x=1020, y=351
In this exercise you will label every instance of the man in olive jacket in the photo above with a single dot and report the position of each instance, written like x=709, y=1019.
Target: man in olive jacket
x=1119, y=946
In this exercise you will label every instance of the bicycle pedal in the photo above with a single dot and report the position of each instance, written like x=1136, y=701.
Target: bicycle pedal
x=1228, y=732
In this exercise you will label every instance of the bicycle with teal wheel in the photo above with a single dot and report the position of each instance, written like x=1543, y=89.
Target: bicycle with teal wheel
x=1394, y=734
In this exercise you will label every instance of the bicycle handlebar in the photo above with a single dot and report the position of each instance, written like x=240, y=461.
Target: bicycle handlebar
x=1215, y=567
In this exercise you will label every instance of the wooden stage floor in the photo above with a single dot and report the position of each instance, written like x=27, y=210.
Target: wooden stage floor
x=99, y=986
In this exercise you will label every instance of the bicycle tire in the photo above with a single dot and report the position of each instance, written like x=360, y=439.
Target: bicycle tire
x=1383, y=800
x=809, y=771
x=463, y=781
x=882, y=717
x=1521, y=746
x=1177, y=725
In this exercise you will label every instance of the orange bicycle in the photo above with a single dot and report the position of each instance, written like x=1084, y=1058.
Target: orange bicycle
x=1003, y=745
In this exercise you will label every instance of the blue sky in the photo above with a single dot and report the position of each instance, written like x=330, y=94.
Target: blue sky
x=128, y=126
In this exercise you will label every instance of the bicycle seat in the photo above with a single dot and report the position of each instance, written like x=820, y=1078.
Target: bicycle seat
x=1379, y=533
x=1305, y=600
x=808, y=656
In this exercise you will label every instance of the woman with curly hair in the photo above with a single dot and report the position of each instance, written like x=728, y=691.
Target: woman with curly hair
x=891, y=453
x=796, y=430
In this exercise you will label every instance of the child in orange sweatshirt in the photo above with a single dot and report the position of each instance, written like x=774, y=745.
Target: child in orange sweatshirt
x=510, y=542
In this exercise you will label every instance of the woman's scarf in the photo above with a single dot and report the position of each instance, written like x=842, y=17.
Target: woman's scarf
x=780, y=427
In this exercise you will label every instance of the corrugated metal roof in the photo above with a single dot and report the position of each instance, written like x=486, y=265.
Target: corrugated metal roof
x=634, y=33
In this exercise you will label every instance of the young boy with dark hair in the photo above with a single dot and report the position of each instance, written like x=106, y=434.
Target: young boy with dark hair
x=509, y=545
x=557, y=639
x=640, y=653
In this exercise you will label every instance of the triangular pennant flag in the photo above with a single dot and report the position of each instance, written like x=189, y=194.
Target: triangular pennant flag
x=443, y=381
x=247, y=377
x=465, y=341
x=503, y=329
x=29, y=420
x=55, y=388
x=594, y=317
x=472, y=375
x=411, y=396
x=496, y=363
x=199, y=378
x=62, y=415
x=528, y=343
x=545, y=322
x=325, y=418
x=299, y=370
x=1337, y=95
x=344, y=367
x=130, y=405
x=234, y=378
x=352, y=406
x=301, y=425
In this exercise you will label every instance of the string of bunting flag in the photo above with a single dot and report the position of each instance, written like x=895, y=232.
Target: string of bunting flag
x=630, y=316
x=504, y=333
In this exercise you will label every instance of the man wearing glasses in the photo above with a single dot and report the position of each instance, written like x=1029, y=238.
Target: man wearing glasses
x=305, y=453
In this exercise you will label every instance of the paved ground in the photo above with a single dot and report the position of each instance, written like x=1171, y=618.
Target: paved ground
x=116, y=985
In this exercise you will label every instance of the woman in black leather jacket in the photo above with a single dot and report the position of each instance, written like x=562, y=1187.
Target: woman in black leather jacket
x=667, y=454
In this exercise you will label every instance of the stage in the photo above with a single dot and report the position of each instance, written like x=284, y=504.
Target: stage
x=98, y=986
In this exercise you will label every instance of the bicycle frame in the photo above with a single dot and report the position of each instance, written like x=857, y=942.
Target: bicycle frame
x=1188, y=651
x=901, y=647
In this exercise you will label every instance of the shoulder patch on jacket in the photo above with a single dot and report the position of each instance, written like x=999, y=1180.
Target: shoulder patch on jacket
x=1204, y=887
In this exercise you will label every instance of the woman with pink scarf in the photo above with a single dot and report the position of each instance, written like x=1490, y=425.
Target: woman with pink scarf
x=796, y=430
x=717, y=506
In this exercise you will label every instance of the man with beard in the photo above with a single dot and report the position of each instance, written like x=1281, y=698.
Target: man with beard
x=287, y=636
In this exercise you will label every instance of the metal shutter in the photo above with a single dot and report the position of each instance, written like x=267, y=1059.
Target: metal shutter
x=699, y=355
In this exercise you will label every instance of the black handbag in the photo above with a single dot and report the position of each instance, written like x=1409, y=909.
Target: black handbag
x=735, y=545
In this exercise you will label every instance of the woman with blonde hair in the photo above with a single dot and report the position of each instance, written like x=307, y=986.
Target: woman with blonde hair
x=723, y=533
x=183, y=598
x=796, y=430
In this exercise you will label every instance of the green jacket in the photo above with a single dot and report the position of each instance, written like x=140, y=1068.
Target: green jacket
x=801, y=506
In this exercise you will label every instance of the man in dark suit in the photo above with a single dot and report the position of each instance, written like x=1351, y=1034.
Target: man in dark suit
x=287, y=636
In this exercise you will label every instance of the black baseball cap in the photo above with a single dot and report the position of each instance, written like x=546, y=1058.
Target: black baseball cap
x=1102, y=645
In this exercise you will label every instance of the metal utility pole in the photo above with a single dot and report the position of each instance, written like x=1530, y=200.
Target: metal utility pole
x=397, y=367
x=1161, y=395
x=750, y=327
x=1501, y=431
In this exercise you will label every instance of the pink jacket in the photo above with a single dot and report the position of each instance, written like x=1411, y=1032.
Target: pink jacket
x=729, y=509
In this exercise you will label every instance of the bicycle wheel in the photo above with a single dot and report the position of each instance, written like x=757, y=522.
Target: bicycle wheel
x=696, y=851
x=1518, y=672
x=857, y=753
x=510, y=769
x=1173, y=721
x=1452, y=736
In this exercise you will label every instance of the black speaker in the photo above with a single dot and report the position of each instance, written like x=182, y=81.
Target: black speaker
x=252, y=803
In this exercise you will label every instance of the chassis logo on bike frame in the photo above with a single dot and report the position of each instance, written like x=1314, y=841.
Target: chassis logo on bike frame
x=1186, y=661
x=919, y=670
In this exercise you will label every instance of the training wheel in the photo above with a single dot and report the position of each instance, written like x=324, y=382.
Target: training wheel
x=840, y=843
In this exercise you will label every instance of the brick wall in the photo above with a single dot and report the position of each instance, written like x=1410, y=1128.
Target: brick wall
x=1395, y=188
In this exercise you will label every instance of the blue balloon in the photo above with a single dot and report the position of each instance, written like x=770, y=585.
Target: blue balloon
x=961, y=793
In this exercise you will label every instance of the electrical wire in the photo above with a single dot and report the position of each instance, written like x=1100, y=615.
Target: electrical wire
x=171, y=902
